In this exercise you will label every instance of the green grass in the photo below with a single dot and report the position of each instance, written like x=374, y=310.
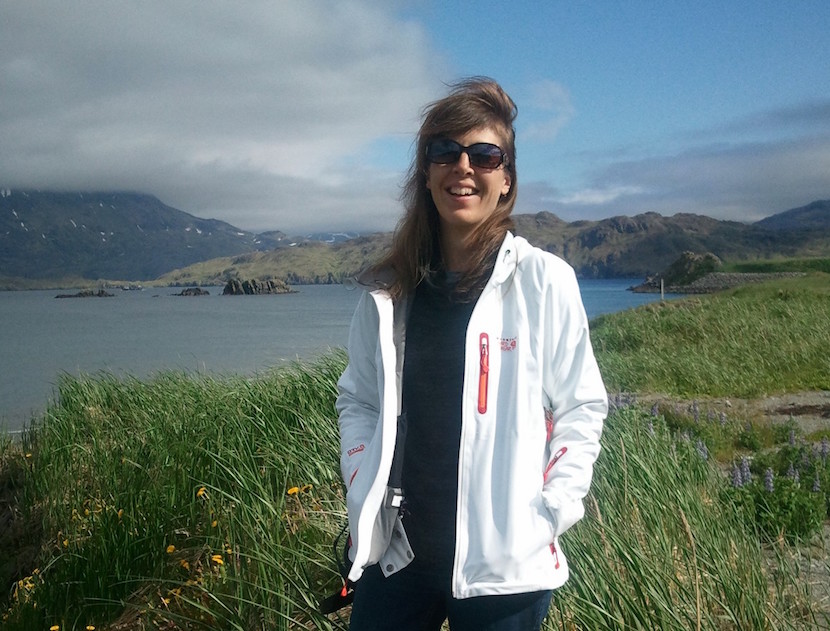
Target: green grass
x=121, y=470
x=663, y=547
x=771, y=266
x=194, y=502
x=746, y=342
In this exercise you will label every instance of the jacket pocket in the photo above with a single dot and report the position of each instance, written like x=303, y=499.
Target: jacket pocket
x=483, y=371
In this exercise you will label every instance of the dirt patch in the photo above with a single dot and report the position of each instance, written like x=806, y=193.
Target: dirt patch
x=809, y=410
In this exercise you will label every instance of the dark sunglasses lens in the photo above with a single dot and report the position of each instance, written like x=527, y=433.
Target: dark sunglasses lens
x=485, y=155
x=443, y=151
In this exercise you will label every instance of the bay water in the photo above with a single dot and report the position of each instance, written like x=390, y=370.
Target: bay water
x=139, y=333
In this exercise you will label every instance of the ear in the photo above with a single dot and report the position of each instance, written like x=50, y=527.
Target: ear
x=508, y=182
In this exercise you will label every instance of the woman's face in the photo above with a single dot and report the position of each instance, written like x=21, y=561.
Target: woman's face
x=465, y=195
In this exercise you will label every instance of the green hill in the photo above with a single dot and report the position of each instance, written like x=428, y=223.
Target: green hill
x=621, y=247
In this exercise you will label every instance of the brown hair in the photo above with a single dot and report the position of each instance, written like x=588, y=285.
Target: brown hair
x=415, y=253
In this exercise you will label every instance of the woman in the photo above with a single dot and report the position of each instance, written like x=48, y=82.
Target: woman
x=472, y=406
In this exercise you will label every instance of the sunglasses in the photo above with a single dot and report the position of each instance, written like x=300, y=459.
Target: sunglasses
x=481, y=154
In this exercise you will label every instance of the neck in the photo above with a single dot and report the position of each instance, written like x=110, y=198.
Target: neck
x=455, y=250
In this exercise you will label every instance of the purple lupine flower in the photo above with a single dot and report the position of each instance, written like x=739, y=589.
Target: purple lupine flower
x=792, y=438
x=816, y=484
x=695, y=411
x=702, y=449
x=769, y=480
x=825, y=448
x=723, y=419
x=737, y=478
x=650, y=428
x=746, y=474
x=792, y=473
x=655, y=410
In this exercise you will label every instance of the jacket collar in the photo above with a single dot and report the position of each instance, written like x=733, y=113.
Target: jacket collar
x=506, y=260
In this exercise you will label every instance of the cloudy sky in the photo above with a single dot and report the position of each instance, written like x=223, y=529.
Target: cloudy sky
x=299, y=115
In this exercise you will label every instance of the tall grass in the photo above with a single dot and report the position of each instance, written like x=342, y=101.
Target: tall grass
x=211, y=502
x=745, y=342
x=195, y=502
x=663, y=548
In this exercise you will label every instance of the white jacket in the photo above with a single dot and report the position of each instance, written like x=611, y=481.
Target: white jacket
x=533, y=405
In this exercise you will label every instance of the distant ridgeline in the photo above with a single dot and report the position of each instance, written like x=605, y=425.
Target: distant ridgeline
x=124, y=236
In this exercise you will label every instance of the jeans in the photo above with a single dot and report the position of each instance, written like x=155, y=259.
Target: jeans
x=420, y=599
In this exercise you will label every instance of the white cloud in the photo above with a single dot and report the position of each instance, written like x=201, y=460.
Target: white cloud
x=600, y=196
x=257, y=113
x=551, y=109
x=740, y=181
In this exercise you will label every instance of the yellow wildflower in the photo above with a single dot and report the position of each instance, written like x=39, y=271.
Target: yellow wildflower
x=185, y=564
x=171, y=549
x=55, y=627
x=217, y=558
x=306, y=488
x=89, y=627
x=293, y=490
x=28, y=455
x=120, y=513
x=202, y=492
x=214, y=523
x=66, y=543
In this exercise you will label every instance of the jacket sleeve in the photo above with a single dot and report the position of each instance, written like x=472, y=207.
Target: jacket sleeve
x=358, y=401
x=578, y=403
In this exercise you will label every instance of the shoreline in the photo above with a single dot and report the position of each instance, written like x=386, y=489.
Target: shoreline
x=711, y=282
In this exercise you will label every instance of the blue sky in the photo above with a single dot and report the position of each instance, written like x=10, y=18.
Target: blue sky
x=279, y=115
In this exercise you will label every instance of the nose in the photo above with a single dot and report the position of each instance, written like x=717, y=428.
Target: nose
x=463, y=163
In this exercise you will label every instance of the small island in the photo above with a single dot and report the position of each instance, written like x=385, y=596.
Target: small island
x=193, y=291
x=87, y=293
x=236, y=287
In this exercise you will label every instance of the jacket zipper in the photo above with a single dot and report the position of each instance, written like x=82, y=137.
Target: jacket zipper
x=484, y=371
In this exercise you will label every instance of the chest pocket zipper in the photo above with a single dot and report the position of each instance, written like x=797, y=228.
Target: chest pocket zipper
x=484, y=371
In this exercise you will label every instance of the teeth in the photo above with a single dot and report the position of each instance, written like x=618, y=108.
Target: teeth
x=461, y=191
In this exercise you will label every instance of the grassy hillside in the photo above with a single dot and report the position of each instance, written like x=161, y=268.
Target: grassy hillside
x=219, y=511
x=750, y=341
x=772, y=266
x=306, y=263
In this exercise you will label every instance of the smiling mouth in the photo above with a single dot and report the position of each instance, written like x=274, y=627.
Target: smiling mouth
x=461, y=191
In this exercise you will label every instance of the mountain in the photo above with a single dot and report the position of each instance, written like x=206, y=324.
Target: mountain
x=815, y=216
x=647, y=243
x=623, y=247
x=135, y=237
x=118, y=235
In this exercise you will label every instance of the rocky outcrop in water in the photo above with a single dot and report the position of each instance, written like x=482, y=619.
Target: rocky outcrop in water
x=87, y=293
x=193, y=291
x=236, y=287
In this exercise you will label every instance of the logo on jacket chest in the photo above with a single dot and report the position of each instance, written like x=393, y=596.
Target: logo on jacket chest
x=507, y=344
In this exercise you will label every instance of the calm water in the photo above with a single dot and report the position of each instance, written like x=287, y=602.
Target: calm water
x=142, y=332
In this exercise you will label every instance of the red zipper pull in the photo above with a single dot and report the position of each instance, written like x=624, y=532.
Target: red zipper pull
x=484, y=370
